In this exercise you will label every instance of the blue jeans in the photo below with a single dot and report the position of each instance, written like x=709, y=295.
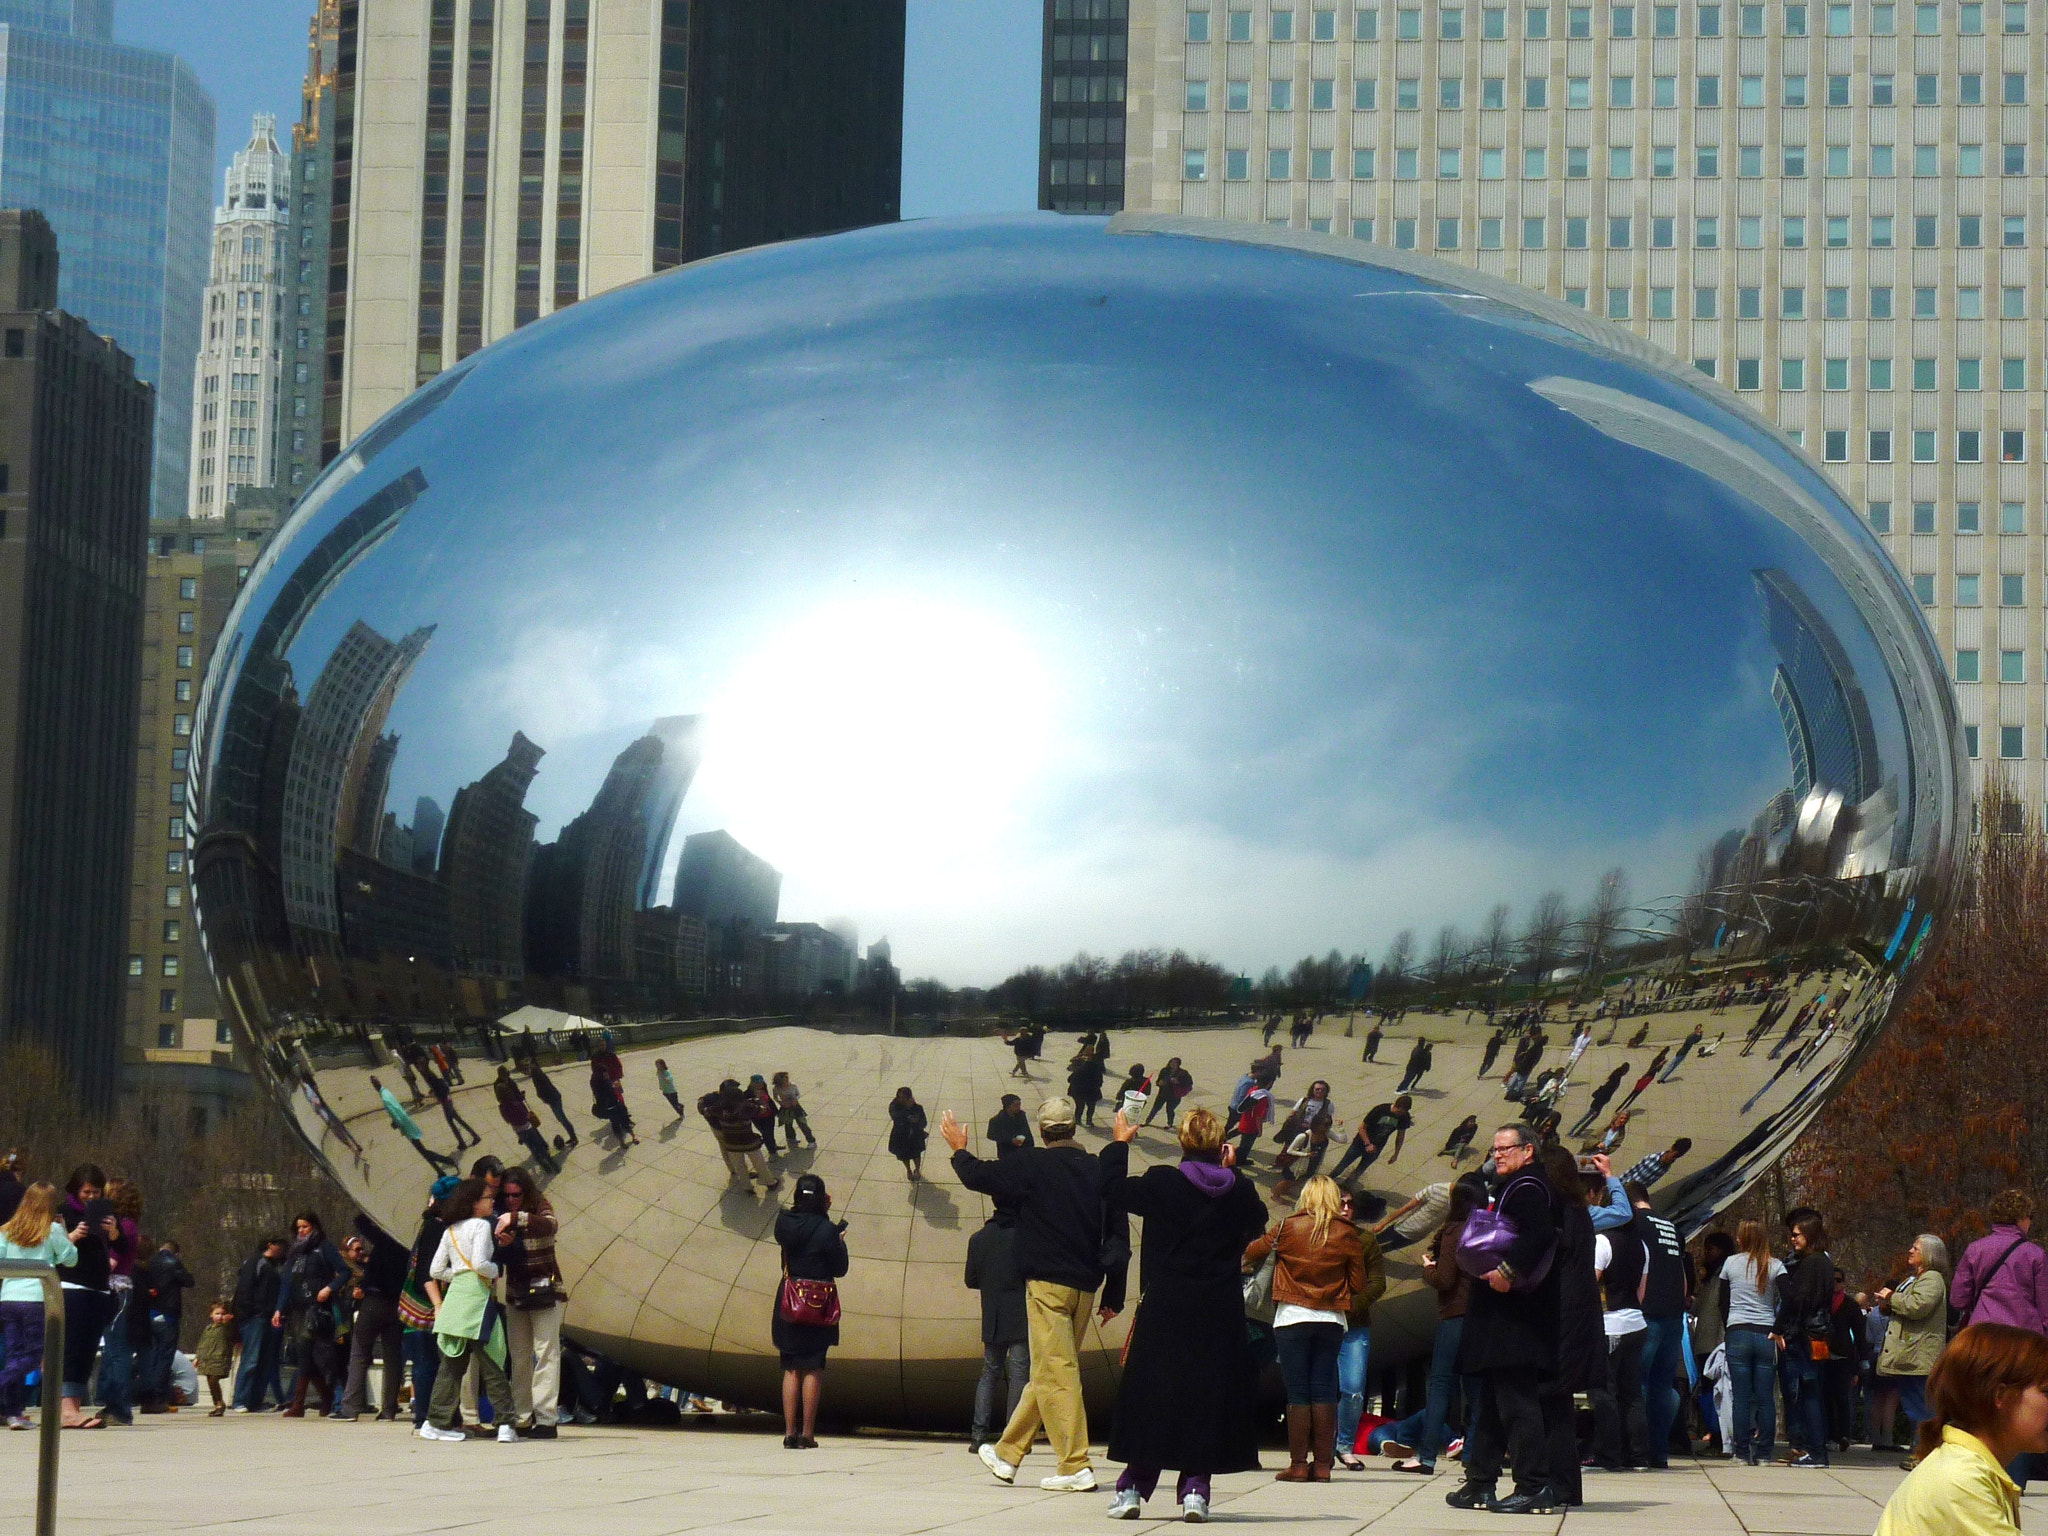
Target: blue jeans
x=155, y=1385
x=1912, y=1398
x=259, y=1368
x=1424, y=1429
x=117, y=1364
x=423, y=1350
x=1813, y=1401
x=1663, y=1350
x=1308, y=1361
x=1352, y=1355
x=1752, y=1382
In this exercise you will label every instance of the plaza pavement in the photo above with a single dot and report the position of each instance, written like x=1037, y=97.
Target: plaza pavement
x=265, y=1476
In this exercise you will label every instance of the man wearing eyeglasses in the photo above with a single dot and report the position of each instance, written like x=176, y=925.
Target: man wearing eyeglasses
x=1511, y=1327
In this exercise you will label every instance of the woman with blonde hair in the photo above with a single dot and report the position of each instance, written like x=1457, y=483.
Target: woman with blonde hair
x=1189, y=1394
x=1987, y=1406
x=35, y=1234
x=1319, y=1267
x=1912, y=1343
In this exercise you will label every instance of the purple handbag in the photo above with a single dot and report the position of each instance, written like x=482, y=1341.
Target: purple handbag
x=1488, y=1236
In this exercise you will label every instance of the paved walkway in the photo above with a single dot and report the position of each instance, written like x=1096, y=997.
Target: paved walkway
x=269, y=1477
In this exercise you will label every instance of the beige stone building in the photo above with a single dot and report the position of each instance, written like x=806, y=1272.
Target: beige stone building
x=1834, y=209
x=496, y=160
x=175, y=1044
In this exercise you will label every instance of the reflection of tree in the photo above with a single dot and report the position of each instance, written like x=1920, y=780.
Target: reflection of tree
x=1594, y=934
x=1142, y=981
x=1395, y=965
x=1447, y=957
x=1543, y=940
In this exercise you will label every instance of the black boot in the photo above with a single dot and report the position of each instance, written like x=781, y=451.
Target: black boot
x=1472, y=1495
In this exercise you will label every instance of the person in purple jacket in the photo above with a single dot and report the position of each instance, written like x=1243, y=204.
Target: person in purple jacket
x=2003, y=1278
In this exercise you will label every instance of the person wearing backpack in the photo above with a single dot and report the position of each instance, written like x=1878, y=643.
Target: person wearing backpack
x=1667, y=1290
x=1919, y=1313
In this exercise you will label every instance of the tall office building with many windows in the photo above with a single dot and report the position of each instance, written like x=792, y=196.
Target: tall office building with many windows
x=1081, y=106
x=496, y=160
x=1834, y=209
x=113, y=144
x=237, y=387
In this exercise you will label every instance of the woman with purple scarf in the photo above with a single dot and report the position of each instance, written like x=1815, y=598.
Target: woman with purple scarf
x=1189, y=1395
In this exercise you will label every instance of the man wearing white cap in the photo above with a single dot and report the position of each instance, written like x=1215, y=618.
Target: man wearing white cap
x=1068, y=1247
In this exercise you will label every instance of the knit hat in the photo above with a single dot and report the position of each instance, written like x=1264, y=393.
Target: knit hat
x=1056, y=1113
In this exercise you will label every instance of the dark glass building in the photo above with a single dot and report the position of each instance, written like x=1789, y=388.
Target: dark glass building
x=1081, y=106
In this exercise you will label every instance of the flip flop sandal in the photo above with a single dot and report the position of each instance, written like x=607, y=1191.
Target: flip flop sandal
x=94, y=1422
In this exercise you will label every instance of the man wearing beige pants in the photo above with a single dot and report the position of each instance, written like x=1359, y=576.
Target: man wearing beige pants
x=1069, y=1245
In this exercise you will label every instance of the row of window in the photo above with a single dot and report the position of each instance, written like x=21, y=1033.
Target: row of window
x=1969, y=518
x=1622, y=231
x=1578, y=92
x=1622, y=21
x=2012, y=667
x=2012, y=444
x=2012, y=743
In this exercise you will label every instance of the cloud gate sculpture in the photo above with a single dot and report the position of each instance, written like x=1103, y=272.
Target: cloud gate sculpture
x=823, y=659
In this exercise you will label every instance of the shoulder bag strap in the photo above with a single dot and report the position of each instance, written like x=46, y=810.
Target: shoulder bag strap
x=1989, y=1275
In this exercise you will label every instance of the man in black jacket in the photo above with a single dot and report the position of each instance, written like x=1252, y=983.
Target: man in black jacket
x=1510, y=1339
x=1667, y=1293
x=1005, y=1352
x=376, y=1307
x=257, y=1290
x=1009, y=1128
x=159, y=1293
x=1069, y=1245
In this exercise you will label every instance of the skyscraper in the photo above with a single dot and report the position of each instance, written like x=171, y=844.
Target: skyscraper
x=1081, y=110
x=300, y=430
x=75, y=452
x=1832, y=208
x=485, y=849
x=237, y=386
x=720, y=880
x=1828, y=731
x=496, y=160
x=113, y=144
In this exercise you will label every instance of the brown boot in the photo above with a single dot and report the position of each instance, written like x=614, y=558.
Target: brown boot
x=1296, y=1470
x=1323, y=1439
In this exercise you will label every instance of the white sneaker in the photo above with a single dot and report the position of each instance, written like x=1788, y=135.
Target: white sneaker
x=1005, y=1473
x=584, y=1416
x=1125, y=1506
x=507, y=1435
x=1194, y=1509
x=428, y=1432
x=239, y=1408
x=1082, y=1481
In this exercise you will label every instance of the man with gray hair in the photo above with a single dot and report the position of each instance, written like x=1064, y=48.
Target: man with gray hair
x=1069, y=1245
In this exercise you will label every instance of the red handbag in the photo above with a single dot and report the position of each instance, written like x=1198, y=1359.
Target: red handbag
x=808, y=1303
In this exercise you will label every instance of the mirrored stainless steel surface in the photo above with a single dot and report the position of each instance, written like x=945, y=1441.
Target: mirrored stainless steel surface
x=792, y=662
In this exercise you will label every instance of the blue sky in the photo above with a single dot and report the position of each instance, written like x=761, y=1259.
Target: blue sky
x=970, y=117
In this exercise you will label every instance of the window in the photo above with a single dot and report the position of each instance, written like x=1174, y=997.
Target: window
x=1835, y=373
x=1621, y=91
x=1362, y=164
x=1707, y=160
x=1624, y=21
x=135, y=965
x=1969, y=373
x=1750, y=160
x=1969, y=731
x=1969, y=159
x=1840, y=20
x=1323, y=26
x=1881, y=453
x=1966, y=517
x=1238, y=96
x=2015, y=231
x=1236, y=165
x=2012, y=741
x=1880, y=160
x=2012, y=373
x=1923, y=588
x=1198, y=97
x=1970, y=90
x=1752, y=20
x=1663, y=304
x=1969, y=303
x=1407, y=95
x=1966, y=667
x=1406, y=166
x=1532, y=234
x=1710, y=21
x=1792, y=303
x=1923, y=446
x=1198, y=32
x=1749, y=232
x=1664, y=91
x=1617, y=303
x=1924, y=373
x=1536, y=92
x=1880, y=90
x=1884, y=18
x=167, y=1001
x=1705, y=365
x=1706, y=233
x=1795, y=90
x=1447, y=234
x=1533, y=164
x=1404, y=234
x=1927, y=20
x=1970, y=19
x=2012, y=593
x=2012, y=517
x=1408, y=25
x=1795, y=21
x=1620, y=162
x=1749, y=303
x=1619, y=231
x=1280, y=96
x=1795, y=159
x=1536, y=22
x=1663, y=161
x=1448, y=162
x=1838, y=160
x=2012, y=667
x=1279, y=164
x=1923, y=517
x=1492, y=164
x=1748, y=373
x=1881, y=517
x=1881, y=231
x=1967, y=591
x=1365, y=95
x=2015, y=17
x=1319, y=165
x=1489, y=234
x=1666, y=23
x=1705, y=303
x=1450, y=92
x=2015, y=90
x=2012, y=446
x=1924, y=304
x=1926, y=160
x=1493, y=94
x=1969, y=446
x=1926, y=231
x=1195, y=165
x=1707, y=92
x=1361, y=229
x=1493, y=22
x=1575, y=162
x=1240, y=26
x=1366, y=24
x=1927, y=90
x=1751, y=91
x=1835, y=446
x=1792, y=373
x=184, y=655
x=1575, y=234
x=1578, y=91
x=2012, y=304
x=1578, y=21
x=1450, y=24
x=1795, y=233
x=1663, y=233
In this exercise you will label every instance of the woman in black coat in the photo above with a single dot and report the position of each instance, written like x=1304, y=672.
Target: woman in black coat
x=1084, y=1083
x=1189, y=1395
x=813, y=1248
x=907, y=1133
x=1581, y=1330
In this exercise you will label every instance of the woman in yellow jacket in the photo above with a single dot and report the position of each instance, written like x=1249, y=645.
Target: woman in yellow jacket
x=1988, y=1402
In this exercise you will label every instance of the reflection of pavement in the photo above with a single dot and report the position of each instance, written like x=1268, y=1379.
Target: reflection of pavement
x=672, y=1268
x=207, y=1477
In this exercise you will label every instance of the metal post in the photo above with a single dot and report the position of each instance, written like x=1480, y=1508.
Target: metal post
x=52, y=1385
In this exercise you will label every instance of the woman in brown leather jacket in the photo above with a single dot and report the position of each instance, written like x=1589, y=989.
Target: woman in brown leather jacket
x=1319, y=1268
